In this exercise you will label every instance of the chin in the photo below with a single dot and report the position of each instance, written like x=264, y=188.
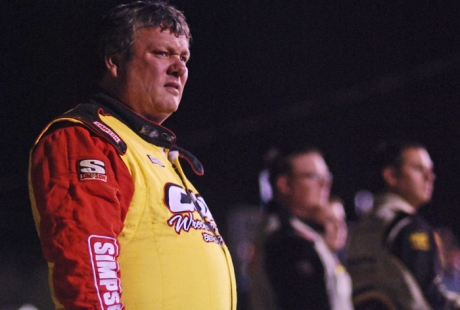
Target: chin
x=428, y=197
x=424, y=201
x=172, y=108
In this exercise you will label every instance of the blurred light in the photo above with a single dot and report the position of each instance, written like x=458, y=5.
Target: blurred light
x=28, y=307
x=364, y=200
x=265, y=189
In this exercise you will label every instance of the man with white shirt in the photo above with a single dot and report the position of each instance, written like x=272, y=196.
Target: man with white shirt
x=297, y=261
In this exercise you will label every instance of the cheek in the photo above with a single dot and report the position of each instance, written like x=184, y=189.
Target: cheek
x=150, y=72
x=417, y=184
x=336, y=231
x=408, y=184
x=309, y=193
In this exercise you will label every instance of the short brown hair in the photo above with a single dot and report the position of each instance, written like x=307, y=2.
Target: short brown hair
x=119, y=25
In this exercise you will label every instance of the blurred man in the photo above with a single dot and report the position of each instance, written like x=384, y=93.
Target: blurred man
x=394, y=226
x=296, y=260
x=335, y=225
x=333, y=219
x=120, y=224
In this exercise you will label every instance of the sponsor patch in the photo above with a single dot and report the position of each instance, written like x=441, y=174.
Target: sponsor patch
x=213, y=238
x=104, y=251
x=92, y=169
x=108, y=131
x=177, y=199
x=420, y=241
x=185, y=222
x=183, y=206
x=155, y=160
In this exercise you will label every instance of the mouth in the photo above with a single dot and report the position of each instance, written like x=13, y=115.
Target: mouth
x=429, y=190
x=173, y=86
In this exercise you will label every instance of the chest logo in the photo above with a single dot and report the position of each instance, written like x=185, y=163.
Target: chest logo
x=183, y=206
x=420, y=241
x=92, y=169
x=155, y=160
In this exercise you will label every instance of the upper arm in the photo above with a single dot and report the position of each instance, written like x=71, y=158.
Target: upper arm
x=79, y=188
x=416, y=248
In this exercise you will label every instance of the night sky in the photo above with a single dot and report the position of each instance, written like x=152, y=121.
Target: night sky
x=341, y=75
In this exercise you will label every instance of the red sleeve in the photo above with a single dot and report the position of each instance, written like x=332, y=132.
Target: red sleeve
x=82, y=190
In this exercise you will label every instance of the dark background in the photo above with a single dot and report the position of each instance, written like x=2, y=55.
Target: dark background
x=342, y=75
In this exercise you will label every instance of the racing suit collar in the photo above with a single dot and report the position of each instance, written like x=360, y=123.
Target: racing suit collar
x=389, y=204
x=149, y=131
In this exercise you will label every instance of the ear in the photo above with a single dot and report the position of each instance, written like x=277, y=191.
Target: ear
x=282, y=185
x=390, y=176
x=112, y=63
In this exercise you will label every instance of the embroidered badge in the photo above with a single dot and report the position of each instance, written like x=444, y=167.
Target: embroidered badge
x=108, y=131
x=420, y=241
x=92, y=169
x=104, y=252
x=155, y=160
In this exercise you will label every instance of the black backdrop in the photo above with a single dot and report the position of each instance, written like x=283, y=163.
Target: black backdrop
x=339, y=74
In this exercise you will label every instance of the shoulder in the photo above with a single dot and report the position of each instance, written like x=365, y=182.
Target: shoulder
x=414, y=231
x=288, y=243
x=86, y=117
x=289, y=255
x=413, y=222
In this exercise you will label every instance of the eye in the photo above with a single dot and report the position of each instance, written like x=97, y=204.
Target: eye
x=183, y=58
x=161, y=53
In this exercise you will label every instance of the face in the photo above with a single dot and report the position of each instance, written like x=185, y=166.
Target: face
x=335, y=226
x=152, y=80
x=414, y=180
x=308, y=185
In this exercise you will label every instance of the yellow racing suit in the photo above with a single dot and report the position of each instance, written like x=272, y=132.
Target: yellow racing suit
x=119, y=223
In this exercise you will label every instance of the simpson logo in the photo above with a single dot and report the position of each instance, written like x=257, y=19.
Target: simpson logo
x=92, y=169
x=155, y=160
x=104, y=251
x=108, y=131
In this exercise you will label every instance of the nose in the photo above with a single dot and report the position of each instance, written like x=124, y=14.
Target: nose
x=325, y=183
x=178, y=67
x=326, y=180
x=431, y=175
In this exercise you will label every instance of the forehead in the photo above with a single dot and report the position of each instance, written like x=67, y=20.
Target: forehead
x=162, y=38
x=309, y=162
x=417, y=156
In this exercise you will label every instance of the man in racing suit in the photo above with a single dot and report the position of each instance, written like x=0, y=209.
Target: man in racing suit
x=119, y=223
x=409, y=277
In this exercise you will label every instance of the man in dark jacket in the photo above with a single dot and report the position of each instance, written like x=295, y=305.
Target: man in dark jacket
x=406, y=170
x=298, y=264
